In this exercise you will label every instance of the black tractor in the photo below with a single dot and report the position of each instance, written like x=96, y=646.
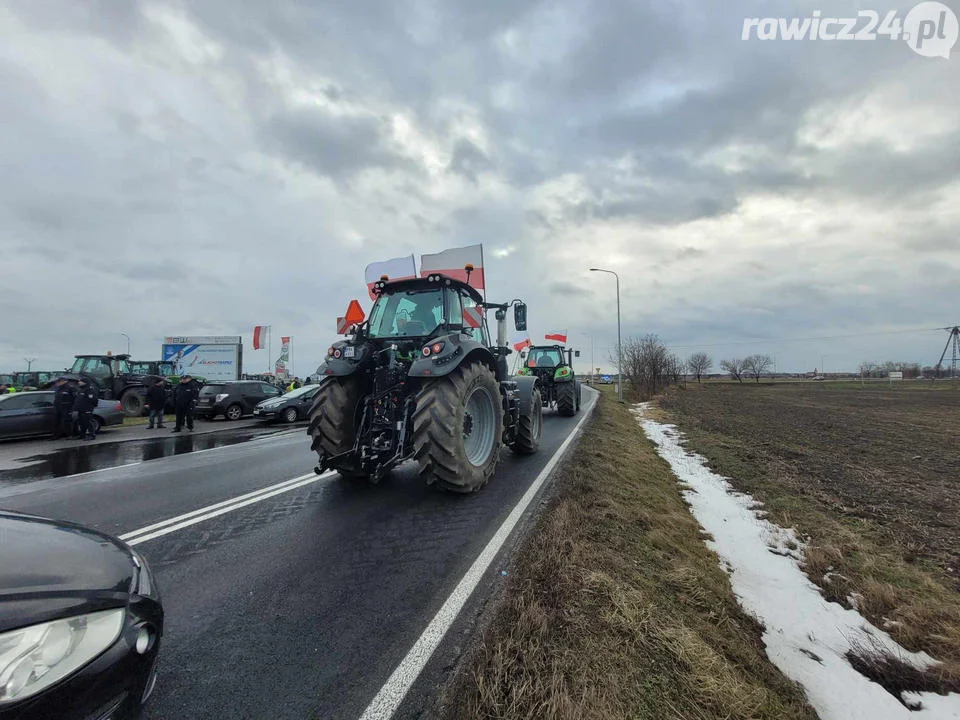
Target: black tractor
x=552, y=365
x=115, y=380
x=421, y=380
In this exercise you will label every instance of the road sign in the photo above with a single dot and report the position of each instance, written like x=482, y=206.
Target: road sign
x=896, y=375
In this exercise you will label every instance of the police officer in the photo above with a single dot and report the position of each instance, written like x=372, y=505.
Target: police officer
x=184, y=398
x=83, y=405
x=63, y=397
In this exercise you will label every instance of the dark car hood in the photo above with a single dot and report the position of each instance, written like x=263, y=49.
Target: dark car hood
x=51, y=569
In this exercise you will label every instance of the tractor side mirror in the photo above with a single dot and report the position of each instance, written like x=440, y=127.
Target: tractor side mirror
x=576, y=353
x=520, y=316
x=523, y=354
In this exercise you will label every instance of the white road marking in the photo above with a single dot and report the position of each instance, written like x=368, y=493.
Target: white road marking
x=386, y=702
x=165, y=527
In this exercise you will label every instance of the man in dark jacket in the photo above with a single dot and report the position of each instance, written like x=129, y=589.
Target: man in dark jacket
x=156, y=400
x=184, y=398
x=83, y=405
x=63, y=397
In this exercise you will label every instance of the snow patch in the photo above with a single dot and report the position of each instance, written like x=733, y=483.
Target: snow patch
x=806, y=636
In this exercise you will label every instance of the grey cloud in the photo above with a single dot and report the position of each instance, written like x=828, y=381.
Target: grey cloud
x=468, y=160
x=336, y=147
x=634, y=99
x=568, y=289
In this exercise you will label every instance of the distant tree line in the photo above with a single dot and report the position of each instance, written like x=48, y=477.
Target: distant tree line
x=870, y=369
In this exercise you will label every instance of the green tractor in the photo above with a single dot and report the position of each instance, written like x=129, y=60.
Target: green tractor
x=552, y=365
x=421, y=380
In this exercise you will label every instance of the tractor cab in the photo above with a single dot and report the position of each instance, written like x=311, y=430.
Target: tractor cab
x=553, y=366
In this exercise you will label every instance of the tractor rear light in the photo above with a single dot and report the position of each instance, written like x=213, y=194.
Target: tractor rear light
x=434, y=349
x=119, y=407
x=330, y=351
x=337, y=353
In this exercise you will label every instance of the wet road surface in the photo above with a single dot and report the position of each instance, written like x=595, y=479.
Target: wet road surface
x=81, y=457
x=300, y=601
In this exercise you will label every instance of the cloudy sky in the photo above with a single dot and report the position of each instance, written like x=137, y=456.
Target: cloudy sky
x=201, y=167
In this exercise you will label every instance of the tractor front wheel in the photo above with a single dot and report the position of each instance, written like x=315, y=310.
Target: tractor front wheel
x=458, y=428
x=132, y=403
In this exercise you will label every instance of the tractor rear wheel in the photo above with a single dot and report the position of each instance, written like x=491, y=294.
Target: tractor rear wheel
x=567, y=399
x=458, y=428
x=528, y=432
x=333, y=422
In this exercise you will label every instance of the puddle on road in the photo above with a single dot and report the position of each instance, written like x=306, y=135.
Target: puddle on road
x=84, y=458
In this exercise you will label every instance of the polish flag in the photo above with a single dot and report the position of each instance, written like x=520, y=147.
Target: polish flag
x=260, y=336
x=521, y=341
x=451, y=263
x=558, y=336
x=401, y=268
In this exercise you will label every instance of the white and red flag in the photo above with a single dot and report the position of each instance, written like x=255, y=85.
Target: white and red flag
x=558, y=336
x=260, y=333
x=453, y=262
x=401, y=268
x=521, y=341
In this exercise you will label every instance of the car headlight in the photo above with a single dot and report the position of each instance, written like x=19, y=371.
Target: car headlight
x=222, y=396
x=34, y=658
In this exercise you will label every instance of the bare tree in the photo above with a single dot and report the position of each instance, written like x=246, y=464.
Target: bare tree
x=757, y=365
x=733, y=366
x=647, y=365
x=676, y=368
x=699, y=363
x=867, y=368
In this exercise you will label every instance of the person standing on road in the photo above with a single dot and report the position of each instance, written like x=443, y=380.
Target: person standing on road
x=63, y=397
x=83, y=405
x=184, y=399
x=156, y=400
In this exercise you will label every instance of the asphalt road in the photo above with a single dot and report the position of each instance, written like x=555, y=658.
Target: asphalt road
x=297, y=600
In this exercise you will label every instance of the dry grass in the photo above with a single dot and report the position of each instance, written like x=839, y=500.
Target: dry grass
x=616, y=609
x=869, y=479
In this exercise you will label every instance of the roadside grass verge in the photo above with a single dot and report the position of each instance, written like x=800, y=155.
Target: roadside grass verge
x=615, y=608
x=877, y=529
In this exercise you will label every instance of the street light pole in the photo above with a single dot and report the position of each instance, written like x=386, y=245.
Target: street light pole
x=592, y=366
x=29, y=362
x=128, y=342
x=619, y=343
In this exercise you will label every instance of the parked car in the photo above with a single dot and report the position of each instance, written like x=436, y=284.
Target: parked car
x=80, y=622
x=31, y=413
x=233, y=398
x=289, y=407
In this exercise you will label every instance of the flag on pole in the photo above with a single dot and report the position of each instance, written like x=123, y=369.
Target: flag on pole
x=452, y=262
x=281, y=365
x=521, y=341
x=401, y=268
x=260, y=333
x=558, y=336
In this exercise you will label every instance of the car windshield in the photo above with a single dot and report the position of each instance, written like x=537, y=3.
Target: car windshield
x=544, y=357
x=409, y=313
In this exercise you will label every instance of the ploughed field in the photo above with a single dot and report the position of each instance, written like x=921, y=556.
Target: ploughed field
x=869, y=476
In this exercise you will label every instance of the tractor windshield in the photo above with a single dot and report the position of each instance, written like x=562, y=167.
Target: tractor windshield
x=408, y=313
x=544, y=358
